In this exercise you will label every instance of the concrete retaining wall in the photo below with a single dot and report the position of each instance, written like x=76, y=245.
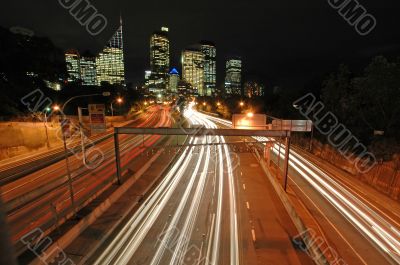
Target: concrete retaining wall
x=21, y=138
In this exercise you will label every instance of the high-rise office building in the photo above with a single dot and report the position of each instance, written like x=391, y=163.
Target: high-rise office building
x=193, y=69
x=72, y=58
x=173, y=81
x=88, y=71
x=210, y=67
x=253, y=89
x=159, y=60
x=233, y=79
x=110, y=66
x=147, y=75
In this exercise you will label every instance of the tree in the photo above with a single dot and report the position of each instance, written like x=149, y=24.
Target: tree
x=368, y=102
x=377, y=97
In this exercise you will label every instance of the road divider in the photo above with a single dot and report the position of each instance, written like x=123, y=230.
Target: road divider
x=313, y=249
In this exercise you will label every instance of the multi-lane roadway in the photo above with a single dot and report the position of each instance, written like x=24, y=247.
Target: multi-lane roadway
x=43, y=199
x=192, y=217
x=359, y=228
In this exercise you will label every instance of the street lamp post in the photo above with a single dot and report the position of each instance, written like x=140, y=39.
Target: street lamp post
x=45, y=126
x=119, y=101
x=66, y=156
x=80, y=118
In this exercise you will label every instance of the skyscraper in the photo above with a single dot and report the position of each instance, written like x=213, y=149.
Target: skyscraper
x=210, y=67
x=193, y=69
x=88, y=71
x=159, y=60
x=253, y=89
x=110, y=62
x=72, y=58
x=173, y=81
x=233, y=79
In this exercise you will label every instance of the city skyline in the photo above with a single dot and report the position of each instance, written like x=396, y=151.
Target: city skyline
x=293, y=49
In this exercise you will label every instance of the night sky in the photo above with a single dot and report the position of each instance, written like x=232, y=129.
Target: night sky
x=282, y=42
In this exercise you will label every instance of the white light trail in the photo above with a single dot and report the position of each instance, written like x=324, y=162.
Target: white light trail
x=376, y=228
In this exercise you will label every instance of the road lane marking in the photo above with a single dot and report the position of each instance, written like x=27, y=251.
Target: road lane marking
x=253, y=233
x=210, y=239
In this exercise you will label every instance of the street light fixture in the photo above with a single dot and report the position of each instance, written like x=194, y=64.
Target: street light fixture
x=119, y=100
x=47, y=110
x=241, y=104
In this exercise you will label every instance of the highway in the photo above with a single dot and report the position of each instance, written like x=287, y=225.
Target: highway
x=192, y=217
x=42, y=199
x=356, y=226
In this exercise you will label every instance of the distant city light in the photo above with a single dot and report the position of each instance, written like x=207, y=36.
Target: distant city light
x=250, y=114
x=56, y=108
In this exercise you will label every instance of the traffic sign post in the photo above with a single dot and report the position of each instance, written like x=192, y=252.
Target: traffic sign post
x=97, y=118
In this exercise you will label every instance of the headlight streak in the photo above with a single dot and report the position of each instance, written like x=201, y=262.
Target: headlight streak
x=233, y=210
x=126, y=243
x=187, y=229
x=388, y=240
x=379, y=233
x=167, y=186
x=337, y=205
x=147, y=224
x=178, y=214
x=234, y=245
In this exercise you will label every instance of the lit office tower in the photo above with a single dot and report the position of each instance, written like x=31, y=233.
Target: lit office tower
x=233, y=79
x=110, y=62
x=159, y=60
x=210, y=67
x=193, y=69
x=173, y=81
x=253, y=89
x=88, y=71
x=72, y=58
